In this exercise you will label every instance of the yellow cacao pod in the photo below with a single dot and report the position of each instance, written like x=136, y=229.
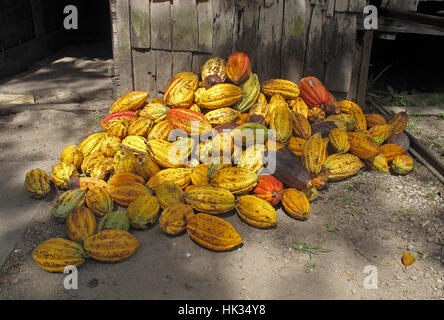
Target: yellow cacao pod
x=86, y=183
x=301, y=126
x=362, y=145
x=199, y=175
x=80, y=224
x=136, y=142
x=111, y=245
x=140, y=126
x=143, y=211
x=55, y=254
x=343, y=121
x=125, y=178
x=391, y=151
x=222, y=116
x=73, y=155
x=403, y=164
x=131, y=101
x=378, y=163
x=213, y=232
x=210, y=200
x=99, y=201
x=398, y=122
x=109, y=146
x=281, y=121
x=298, y=105
x=167, y=154
x=219, y=96
x=235, y=179
x=179, y=92
x=145, y=167
x=168, y=193
x=213, y=72
x=180, y=176
x=117, y=127
x=250, y=92
x=381, y=131
x=252, y=158
x=124, y=161
x=156, y=111
x=314, y=153
x=339, y=141
x=62, y=173
x=374, y=119
x=296, y=204
x=161, y=130
x=103, y=168
x=90, y=161
x=174, y=218
x=342, y=166
x=92, y=143
x=296, y=145
x=37, y=183
x=125, y=194
x=286, y=88
x=316, y=115
x=256, y=211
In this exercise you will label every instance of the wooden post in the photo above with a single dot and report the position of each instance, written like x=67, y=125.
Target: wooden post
x=365, y=62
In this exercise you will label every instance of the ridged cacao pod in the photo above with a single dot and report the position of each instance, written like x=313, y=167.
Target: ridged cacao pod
x=235, y=179
x=391, y=151
x=72, y=154
x=161, y=130
x=382, y=131
x=222, y=116
x=117, y=128
x=185, y=118
x=374, y=119
x=168, y=193
x=285, y=88
x=259, y=113
x=125, y=178
x=130, y=101
x=213, y=232
x=140, y=126
x=296, y=145
x=281, y=121
x=342, y=166
x=99, y=201
x=290, y=171
x=252, y=158
x=103, y=168
x=62, y=173
x=180, y=176
x=363, y=146
x=401, y=139
x=199, y=175
x=125, y=194
x=403, y=164
x=66, y=203
x=124, y=161
x=116, y=220
x=311, y=194
x=143, y=211
x=301, y=126
x=110, y=146
x=269, y=189
x=80, y=224
x=92, y=143
x=213, y=72
x=349, y=107
x=243, y=118
x=111, y=245
x=298, y=105
x=159, y=151
x=123, y=114
x=145, y=167
x=86, y=183
x=256, y=211
x=55, y=254
x=339, y=141
x=219, y=96
x=323, y=127
x=238, y=67
x=313, y=155
x=242, y=134
x=90, y=161
x=250, y=92
x=37, y=183
x=210, y=200
x=315, y=115
x=155, y=111
x=314, y=92
x=296, y=204
x=320, y=182
x=136, y=142
x=179, y=92
x=344, y=121
x=174, y=218
x=398, y=122
x=378, y=163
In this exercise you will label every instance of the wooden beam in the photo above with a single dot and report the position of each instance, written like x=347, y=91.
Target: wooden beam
x=140, y=24
x=124, y=54
x=364, y=67
x=160, y=25
x=184, y=24
x=205, y=25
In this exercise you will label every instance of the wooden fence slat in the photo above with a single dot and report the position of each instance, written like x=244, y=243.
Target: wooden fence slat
x=364, y=68
x=144, y=66
x=223, y=17
x=164, y=62
x=185, y=34
x=124, y=57
x=296, y=21
x=140, y=24
x=341, y=5
x=268, y=63
x=340, y=44
x=198, y=60
x=331, y=8
x=314, y=64
x=160, y=25
x=357, y=5
x=205, y=21
x=182, y=61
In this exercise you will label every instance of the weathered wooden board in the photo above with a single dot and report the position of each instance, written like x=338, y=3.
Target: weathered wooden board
x=124, y=56
x=268, y=62
x=330, y=8
x=223, y=15
x=198, y=60
x=401, y=5
x=182, y=61
x=144, y=66
x=185, y=29
x=205, y=25
x=357, y=5
x=296, y=22
x=314, y=64
x=365, y=62
x=352, y=92
x=140, y=24
x=160, y=25
x=341, y=5
x=246, y=25
x=339, y=37
x=164, y=62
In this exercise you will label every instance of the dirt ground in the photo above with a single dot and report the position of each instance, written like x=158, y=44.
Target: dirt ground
x=370, y=219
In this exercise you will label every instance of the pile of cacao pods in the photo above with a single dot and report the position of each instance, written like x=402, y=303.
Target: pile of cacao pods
x=131, y=175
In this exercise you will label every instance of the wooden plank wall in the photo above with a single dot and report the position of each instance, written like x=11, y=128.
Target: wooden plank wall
x=283, y=38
